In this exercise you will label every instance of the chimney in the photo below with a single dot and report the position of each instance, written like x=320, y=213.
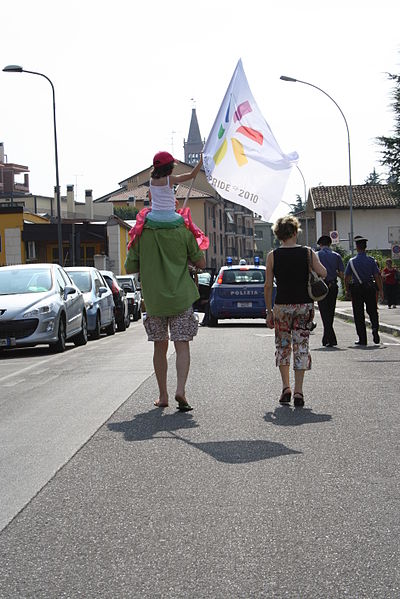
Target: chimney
x=1, y=152
x=89, y=203
x=70, y=200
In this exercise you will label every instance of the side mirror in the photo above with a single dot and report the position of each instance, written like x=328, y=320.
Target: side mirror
x=68, y=290
x=102, y=290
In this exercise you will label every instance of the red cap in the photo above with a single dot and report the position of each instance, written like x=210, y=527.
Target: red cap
x=162, y=158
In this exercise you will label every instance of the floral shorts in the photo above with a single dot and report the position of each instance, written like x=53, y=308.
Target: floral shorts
x=292, y=332
x=182, y=327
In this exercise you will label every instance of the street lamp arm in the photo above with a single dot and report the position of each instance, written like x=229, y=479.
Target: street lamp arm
x=293, y=80
x=18, y=69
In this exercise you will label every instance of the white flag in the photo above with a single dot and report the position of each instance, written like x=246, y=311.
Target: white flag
x=242, y=159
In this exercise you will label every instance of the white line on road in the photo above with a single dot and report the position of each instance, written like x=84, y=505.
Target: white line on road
x=34, y=365
x=14, y=383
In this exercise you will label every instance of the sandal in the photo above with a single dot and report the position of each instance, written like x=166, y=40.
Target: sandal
x=286, y=395
x=298, y=399
x=183, y=405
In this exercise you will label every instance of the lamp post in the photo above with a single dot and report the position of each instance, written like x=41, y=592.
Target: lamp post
x=12, y=68
x=291, y=79
x=305, y=201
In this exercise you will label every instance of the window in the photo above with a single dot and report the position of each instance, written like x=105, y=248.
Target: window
x=87, y=255
x=97, y=284
x=244, y=276
x=60, y=281
x=30, y=250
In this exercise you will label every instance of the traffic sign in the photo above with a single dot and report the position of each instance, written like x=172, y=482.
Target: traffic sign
x=396, y=251
x=334, y=235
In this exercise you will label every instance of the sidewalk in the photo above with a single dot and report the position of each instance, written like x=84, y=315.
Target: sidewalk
x=389, y=320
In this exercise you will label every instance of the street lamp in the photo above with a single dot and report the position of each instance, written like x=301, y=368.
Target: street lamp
x=291, y=79
x=305, y=201
x=12, y=68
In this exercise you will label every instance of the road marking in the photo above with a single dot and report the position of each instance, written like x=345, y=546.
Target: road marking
x=14, y=383
x=34, y=365
x=264, y=334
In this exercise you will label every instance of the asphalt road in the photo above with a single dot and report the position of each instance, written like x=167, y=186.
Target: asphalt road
x=240, y=498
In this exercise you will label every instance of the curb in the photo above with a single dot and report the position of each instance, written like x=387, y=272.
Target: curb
x=384, y=328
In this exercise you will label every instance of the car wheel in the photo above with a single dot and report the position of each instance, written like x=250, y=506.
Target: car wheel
x=212, y=321
x=59, y=346
x=136, y=314
x=139, y=314
x=95, y=334
x=122, y=325
x=82, y=337
x=110, y=330
x=128, y=321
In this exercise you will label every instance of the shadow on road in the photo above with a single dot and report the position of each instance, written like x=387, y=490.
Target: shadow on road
x=329, y=349
x=34, y=352
x=240, y=325
x=287, y=416
x=148, y=425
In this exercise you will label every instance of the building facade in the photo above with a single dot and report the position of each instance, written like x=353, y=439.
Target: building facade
x=376, y=214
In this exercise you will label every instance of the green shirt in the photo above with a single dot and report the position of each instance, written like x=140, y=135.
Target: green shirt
x=161, y=256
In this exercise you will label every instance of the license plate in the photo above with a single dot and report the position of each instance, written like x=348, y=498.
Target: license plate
x=244, y=304
x=9, y=342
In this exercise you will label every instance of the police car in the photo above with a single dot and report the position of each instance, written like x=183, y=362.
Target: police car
x=238, y=292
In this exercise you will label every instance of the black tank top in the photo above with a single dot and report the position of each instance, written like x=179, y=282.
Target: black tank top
x=291, y=274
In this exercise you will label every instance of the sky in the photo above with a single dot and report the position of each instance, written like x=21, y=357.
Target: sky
x=127, y=74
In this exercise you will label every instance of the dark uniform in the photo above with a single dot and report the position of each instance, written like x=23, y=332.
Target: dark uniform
x=334, y=264
x=363, y=291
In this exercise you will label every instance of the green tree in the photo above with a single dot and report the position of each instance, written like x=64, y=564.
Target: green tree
x=125, y=212
x=298, y=207
x=373, y=178
x=391, y=145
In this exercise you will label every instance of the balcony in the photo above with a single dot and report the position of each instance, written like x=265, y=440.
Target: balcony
x=21, y=187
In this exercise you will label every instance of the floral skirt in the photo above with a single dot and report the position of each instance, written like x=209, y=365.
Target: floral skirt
x=292, y=333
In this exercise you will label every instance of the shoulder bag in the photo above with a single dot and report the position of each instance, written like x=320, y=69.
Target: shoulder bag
x=317, y=288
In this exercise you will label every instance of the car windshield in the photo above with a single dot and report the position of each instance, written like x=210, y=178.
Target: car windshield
x=20, y=280
x=243, y=276
x=204, y=278
x=82, y=280
x=122, y=282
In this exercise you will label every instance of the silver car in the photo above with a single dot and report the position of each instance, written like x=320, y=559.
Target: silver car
x=133, y=295
x=39, y=304
x=98, y=299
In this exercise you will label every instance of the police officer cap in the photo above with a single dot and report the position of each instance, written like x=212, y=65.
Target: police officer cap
x=360, y=238
x=324, y=240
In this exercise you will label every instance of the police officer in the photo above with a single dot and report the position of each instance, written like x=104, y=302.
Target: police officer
x=334, y=265
x=362, y=277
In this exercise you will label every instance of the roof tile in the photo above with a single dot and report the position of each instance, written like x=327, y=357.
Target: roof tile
x=364, y=196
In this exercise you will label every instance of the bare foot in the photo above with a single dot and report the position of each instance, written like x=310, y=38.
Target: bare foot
x=160, y=404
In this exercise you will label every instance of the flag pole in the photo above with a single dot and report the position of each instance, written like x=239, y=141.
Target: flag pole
x=188, y=194
x=190, y=188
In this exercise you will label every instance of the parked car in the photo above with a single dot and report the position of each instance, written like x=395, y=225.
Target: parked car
x=98, y=298
x=238, y=292
x=133, y=295
x=120, y=301
x=40, y=304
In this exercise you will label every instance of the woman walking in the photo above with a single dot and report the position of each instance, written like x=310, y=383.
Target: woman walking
x=293, y=312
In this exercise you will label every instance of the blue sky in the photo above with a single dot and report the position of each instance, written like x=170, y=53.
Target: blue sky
x=125, y=73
